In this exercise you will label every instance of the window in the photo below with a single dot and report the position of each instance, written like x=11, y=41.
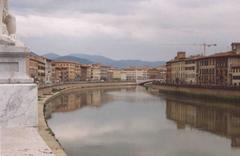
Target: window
x=236, y=77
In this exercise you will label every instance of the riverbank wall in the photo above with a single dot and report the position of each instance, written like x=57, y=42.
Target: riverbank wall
x=198, y=92
x=48, y=93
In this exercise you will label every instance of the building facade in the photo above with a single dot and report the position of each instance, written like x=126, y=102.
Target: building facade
x=214, y=70
x=153, y=73
x=235, y=79
x=133, y=74
x=176, y=69
x=36, y=67
x=49, y=72
x=190, y=71
x=206, y=71
x=67, y=71
x=85, y=72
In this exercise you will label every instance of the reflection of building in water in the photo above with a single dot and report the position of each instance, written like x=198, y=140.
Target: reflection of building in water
x=96, y=98
x=218, y=120
x=72, y=101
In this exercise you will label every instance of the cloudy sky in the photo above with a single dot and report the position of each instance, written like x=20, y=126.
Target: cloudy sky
x=127, y=29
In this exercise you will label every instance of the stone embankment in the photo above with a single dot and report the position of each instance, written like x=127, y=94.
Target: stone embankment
x=228, y=94
x=48, y=93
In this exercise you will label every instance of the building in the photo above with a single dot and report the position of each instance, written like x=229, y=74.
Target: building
x=49, y=72
x=169, y=79
x=100, y=72
x=206, y=71
x=123, y=75
x=104, y=73
x=163, y=72
x=77, y=72
x=235, y=79
x=133, y=74
x=141, y=74
x=176, y=69
x=153, y=73
x=67, y=71
x=116, y=74
x=85, y=72
x=36, y=68
x=158, y=73
x=215, y=70
x=130, y=74
x=96, y=72
x=190, y=71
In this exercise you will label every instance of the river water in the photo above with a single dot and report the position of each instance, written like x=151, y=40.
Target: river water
x=133, y=122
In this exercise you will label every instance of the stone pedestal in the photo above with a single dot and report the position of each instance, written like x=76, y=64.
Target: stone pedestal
x=13, y=65
x=18, y=94
x=18, y=106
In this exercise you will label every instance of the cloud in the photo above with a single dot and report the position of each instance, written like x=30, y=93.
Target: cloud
x=87, y=6
x=47, y=26
x=132, y=27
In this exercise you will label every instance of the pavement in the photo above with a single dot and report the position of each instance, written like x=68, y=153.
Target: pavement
x=22, y=142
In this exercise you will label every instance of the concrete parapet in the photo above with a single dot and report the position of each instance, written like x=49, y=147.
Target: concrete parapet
x=230, y=95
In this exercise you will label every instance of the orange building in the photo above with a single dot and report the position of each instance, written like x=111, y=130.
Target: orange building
x=66, y=71
x=36, y=68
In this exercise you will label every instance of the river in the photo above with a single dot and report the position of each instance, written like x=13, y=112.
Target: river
x=131, y=121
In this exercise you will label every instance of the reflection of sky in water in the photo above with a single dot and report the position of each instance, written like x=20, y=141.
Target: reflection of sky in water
x=133, y=124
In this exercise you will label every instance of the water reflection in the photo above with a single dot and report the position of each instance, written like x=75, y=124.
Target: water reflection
x=133, y=122
x=223, y=121
x=72, y=101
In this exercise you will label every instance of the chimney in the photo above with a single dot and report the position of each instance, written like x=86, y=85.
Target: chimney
x=181, y=55
x=236, y=47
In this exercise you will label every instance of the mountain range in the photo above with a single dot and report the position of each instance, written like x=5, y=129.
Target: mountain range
x=92, y=59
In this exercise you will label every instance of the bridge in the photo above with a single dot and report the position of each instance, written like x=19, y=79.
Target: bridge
x=143, y=82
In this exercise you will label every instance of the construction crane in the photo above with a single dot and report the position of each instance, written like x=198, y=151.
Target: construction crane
x=204, y=45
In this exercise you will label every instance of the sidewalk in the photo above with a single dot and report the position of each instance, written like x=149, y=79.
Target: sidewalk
x=22, y=142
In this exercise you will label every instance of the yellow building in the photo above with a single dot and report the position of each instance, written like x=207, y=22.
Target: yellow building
x=96, y=72
x=177, y=67
x=67, y=71
x=133, y=74
x=116, y=74
x=182, y=70
x=100, y=72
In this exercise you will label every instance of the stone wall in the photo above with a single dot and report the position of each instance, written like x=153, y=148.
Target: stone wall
x=52, y=88
x=232, y=95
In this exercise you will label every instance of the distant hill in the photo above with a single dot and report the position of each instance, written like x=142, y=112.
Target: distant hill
x=96, y=58
x=119, y=63
x=89, y=59
x=51, y=56
x=76, y=59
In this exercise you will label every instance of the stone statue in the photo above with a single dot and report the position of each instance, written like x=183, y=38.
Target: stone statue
x=7, y=24
x=18, y=94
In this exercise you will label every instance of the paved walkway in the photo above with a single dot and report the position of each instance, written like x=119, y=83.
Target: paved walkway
x=44, y=130
x=22, y=142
